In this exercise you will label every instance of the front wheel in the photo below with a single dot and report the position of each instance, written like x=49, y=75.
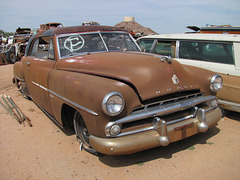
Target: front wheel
x=82, y=133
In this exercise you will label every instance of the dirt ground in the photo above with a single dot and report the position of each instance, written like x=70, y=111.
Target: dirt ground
x=44, y=151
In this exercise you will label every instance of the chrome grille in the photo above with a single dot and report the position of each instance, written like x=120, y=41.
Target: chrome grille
x=162, y=102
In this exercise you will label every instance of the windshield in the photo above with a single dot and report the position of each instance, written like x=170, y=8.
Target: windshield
x=75, y=44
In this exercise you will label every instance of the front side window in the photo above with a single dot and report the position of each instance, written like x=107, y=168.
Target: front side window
x=75, y=44
x=207, y=51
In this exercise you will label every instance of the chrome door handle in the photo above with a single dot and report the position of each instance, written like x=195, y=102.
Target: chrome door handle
x=28, y=64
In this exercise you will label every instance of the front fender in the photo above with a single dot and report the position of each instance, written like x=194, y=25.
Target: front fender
x=85, y=93
x=203, y=76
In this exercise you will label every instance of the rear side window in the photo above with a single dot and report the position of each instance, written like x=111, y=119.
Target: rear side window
x=207, y=51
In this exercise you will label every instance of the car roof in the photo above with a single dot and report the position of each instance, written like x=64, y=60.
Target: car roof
x=196, y=36
x=76, y=29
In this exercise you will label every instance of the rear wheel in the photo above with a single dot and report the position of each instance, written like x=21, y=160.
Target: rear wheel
x=22, y=89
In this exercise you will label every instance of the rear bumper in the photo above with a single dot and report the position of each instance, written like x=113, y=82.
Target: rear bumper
x=162, y=135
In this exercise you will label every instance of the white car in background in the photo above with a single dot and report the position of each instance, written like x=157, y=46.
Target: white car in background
x=10, y=40
x=216, y=52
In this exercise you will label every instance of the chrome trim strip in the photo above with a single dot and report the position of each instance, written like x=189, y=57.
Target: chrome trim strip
x=20, y=79
x=40, y=86
x=74, y=104
x=229, y=105
x=66, y=100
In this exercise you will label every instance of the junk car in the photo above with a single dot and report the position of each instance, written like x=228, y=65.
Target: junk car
x=119, y=100
x=47, y=26
x=15, y=50
x=2, y=56
x=216, y=52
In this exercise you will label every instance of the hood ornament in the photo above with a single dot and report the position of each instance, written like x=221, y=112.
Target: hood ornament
x=175, y=79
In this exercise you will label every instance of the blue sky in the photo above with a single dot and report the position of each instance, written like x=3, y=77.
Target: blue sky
x=171, y=16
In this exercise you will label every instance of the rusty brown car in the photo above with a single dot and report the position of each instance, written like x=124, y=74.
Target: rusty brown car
x=119, y=100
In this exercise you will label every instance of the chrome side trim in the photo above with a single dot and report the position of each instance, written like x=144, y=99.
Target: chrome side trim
x=66, y=100
x=40, y=86
x=74, y=104
x=229, y=105
x=19, y=78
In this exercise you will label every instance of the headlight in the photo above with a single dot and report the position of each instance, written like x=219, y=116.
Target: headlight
x=113, y=104
x=216, y=83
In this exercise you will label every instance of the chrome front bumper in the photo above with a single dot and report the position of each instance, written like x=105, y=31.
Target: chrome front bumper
x=162, y=135
x=156, y=112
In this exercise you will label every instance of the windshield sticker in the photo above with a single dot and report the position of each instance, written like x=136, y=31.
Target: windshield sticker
x=74, y=43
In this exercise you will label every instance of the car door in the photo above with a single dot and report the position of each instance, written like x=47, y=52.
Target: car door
x=37, y=66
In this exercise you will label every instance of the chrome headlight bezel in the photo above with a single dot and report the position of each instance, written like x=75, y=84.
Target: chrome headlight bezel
x=216, y=83
x=113, y=104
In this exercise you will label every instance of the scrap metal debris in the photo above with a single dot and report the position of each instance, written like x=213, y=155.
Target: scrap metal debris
x=10, y=106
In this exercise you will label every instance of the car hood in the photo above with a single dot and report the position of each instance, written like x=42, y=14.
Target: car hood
x=146, y=73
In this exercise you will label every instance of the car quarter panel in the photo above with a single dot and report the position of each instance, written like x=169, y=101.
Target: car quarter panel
x=18, y=71
x=230, y=91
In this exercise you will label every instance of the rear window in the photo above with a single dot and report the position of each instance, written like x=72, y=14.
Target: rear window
x=207, y=51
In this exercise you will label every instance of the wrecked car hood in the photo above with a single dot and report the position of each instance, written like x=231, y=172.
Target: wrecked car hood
x=147, y=73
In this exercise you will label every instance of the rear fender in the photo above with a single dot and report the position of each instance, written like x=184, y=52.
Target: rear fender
x=18, y=74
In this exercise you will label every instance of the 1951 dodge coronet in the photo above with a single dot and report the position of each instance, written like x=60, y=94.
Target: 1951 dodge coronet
x=119, y=100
